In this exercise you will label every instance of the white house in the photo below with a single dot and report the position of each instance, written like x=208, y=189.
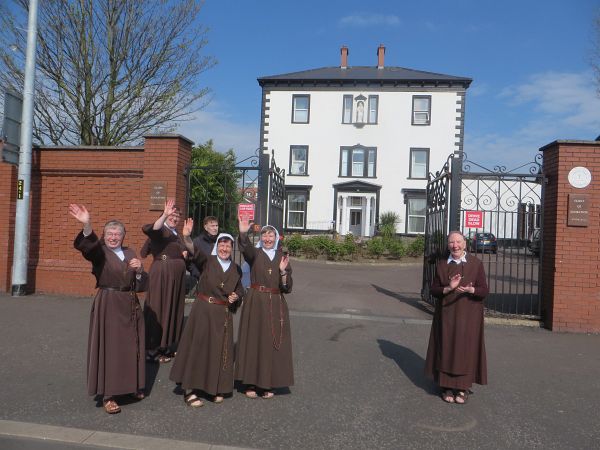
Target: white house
x=357, y=141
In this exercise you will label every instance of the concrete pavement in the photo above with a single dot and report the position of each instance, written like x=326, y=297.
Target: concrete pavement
x=358, y=352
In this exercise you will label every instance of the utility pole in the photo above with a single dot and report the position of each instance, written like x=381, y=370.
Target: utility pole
x=21, y=247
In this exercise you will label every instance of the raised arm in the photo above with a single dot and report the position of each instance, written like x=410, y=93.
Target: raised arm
x=244, y=243
x=169, y=209
x=86, y=241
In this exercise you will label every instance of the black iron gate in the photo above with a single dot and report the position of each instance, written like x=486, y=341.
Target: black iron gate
x=499, y=211
x=218, y=190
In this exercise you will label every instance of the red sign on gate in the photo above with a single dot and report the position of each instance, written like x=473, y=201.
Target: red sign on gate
x=473, y=219
x=246, y=211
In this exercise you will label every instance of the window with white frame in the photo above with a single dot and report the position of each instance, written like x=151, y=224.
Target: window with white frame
x=296, y=209
x=419, y=163
x=298, y=160
x=300, y=108
x=421, y=110
x=347, y=109
x=415, y=208
x=373, y=103
x=358, y=162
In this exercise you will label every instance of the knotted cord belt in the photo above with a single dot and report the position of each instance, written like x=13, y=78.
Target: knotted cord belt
x=260, y=288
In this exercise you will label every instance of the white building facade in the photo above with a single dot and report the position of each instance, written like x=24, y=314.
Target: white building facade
x=359, y=141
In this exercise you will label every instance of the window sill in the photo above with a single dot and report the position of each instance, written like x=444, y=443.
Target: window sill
x=297, y=174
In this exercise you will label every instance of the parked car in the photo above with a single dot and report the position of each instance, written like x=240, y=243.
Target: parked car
x=534, y=243
x=482, y=242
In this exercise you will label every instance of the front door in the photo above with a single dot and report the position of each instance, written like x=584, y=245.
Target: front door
x=356, y=222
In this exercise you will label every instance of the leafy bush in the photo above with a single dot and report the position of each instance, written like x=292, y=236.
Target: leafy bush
x=387, y=231
x=396, y=248
x=310, y=248
x=389, y=218
x=348, y=247
x=416, y=247
x=294, y=243
x=375, y=247
x=387, y=224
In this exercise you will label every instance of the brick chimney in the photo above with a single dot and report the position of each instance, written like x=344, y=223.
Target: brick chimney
x=344, y=59
x=380, y=56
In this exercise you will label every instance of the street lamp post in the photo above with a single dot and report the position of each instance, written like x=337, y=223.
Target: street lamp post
x=21, y=246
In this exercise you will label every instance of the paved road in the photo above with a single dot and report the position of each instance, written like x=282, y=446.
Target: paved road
x=358, y=378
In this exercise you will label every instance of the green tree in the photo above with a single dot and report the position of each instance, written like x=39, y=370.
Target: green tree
x=214, y=187
x=108, y=71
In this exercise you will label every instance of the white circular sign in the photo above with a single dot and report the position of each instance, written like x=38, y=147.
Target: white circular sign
x=580, y=177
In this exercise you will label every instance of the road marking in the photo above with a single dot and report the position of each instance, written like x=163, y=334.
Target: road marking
x=325, y=315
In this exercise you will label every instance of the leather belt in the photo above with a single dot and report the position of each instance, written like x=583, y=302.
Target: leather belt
x=260, y=288
x=213, y=300
x=120, y=289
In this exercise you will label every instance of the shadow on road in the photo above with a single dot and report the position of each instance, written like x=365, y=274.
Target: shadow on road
x=410, y=363
x=412, y=301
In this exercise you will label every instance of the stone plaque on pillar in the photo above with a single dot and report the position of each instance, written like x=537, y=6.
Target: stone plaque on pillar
x=158, y=196
x=578, y=212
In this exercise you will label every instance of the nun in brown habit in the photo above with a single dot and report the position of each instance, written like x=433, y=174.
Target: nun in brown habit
x=165, y=300
x=456, y=354
x=115, y=357
x=264, y=348
x=204, y=361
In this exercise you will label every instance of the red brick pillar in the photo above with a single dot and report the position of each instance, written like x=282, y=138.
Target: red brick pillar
x=571, y=254
x=166, y=158
x=8, y=202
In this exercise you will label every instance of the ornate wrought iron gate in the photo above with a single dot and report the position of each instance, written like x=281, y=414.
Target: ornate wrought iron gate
x=505, y=210
x=217, y=191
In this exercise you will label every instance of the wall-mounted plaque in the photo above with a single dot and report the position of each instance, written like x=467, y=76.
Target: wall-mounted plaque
x=158, y=196
x=579, y=177
x=578, y=213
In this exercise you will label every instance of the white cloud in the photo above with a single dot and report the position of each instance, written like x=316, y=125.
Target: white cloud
x=226, y=133
x=568, y=96
x=551, y=106
x=369, y=20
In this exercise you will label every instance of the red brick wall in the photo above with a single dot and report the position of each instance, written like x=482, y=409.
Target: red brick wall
x=8, y=195
x=113, y=183
x=571, y=258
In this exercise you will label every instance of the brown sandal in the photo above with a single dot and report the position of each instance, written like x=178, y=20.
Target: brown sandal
x=251, y=393
x=193, y=400
x=111, y=406
x=218, y=399
x=268, y=394
x=461, y=397
x=448, y=396
x=164, y=359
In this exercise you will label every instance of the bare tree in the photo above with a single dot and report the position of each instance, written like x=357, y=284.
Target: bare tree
x=108, y=71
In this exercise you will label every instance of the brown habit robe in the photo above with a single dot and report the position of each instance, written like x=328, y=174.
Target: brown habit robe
x=264, y=348
x=165, y=300
x=456, y=353
x=115, y=360
x=204, y=358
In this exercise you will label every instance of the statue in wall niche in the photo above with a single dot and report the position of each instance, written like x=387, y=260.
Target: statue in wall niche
x=360, y=112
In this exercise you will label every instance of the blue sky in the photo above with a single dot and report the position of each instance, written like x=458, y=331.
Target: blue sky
x=529, y=61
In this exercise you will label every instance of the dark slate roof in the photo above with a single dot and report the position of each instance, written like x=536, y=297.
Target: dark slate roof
x=365, y=74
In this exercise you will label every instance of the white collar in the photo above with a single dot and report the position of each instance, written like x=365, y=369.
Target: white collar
x=225, y=263
x=119, y=252
x=463, y=259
